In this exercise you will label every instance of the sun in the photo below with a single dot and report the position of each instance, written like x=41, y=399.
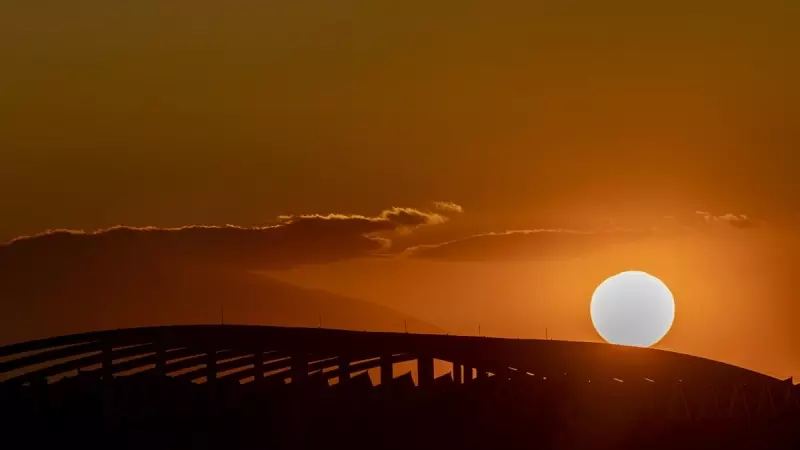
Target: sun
x=632, y=308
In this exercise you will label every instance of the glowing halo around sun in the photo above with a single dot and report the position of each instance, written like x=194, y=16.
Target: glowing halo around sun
x=632, y=308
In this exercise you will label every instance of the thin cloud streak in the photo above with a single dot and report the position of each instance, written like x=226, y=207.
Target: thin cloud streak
x=523, y=244
x=565, y=243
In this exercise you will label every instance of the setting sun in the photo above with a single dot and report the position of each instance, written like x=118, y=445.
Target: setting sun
x=632, y=308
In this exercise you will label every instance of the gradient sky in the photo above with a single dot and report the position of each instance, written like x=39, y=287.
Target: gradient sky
x=585, y=115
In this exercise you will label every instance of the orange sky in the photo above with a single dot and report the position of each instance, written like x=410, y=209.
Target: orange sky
x=589, y=116
x=735, y=299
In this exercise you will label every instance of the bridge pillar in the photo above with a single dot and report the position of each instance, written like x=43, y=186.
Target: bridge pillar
x=258, y=366
x=107, y=372
x=467, y=374
x=299, y=368
x=456, y=373
x=211, y=366
x=387, y=369
x=344, y=371
x=161, y=358
x=107, y=362
x=424, y=371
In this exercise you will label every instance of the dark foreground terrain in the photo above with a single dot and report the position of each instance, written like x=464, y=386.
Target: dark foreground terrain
x=158, y=412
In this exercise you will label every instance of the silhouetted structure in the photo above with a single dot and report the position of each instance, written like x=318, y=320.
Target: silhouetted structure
x=246, y=386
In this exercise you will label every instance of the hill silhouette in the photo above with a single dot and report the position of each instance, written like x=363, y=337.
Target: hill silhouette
x=65, y=299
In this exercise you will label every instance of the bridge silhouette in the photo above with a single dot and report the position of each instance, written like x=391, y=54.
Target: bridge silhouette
x=202, y=386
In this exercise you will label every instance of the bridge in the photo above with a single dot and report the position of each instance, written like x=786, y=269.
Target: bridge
x=313, y=378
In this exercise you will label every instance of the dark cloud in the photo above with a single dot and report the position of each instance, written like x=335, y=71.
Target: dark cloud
x=303, y=239
x=389, y=219
x=65, y=281
x=523, y=244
